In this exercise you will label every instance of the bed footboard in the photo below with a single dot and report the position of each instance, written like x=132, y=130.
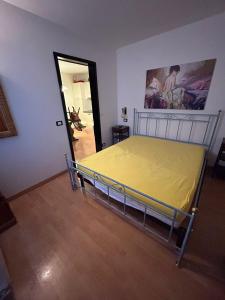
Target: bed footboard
x=86, y=175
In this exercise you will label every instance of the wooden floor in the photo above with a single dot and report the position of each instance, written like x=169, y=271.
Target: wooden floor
x=85, y=145
x=68, y=246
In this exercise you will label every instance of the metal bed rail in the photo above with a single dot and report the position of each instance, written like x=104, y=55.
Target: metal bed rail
x=75, y=168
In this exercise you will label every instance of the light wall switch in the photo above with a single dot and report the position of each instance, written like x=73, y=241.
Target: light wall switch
x=59, y=123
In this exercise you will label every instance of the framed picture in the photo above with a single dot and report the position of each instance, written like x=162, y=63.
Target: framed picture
x=184, y=86
x=7, y=127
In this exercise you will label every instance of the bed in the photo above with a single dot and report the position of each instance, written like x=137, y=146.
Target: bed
x=158, y=171
x=170, y=179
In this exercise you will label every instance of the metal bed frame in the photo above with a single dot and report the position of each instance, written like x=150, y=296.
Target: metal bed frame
x=150, y=124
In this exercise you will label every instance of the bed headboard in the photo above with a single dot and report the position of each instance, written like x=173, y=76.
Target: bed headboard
x=184, y=127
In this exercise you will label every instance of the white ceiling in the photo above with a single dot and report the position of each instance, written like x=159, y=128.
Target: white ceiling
x=71, y=68
x=121, y=22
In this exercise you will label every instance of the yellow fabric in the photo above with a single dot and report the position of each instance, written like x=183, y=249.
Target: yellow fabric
x=166, y=170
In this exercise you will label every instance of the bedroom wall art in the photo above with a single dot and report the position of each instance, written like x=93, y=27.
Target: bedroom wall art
x=184, y=86
x=7, y=127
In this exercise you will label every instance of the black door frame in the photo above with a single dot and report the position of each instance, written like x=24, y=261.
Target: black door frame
x=94, y=96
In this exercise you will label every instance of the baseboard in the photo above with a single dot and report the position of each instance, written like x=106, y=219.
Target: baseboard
x=33, y=187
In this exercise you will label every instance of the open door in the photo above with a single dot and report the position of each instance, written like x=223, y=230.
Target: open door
x=77, y=80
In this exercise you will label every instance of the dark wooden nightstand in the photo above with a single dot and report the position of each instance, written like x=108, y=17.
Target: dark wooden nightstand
x=119, y=133
x=219, y=167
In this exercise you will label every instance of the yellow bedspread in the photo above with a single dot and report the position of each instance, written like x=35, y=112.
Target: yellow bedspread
x=166, y=170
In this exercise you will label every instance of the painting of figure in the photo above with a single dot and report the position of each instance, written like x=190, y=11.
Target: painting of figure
x=184, y=86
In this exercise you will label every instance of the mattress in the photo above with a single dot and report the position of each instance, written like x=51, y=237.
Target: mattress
x=165, y=170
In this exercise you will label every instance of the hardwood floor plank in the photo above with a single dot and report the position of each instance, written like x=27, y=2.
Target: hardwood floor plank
x=68, y=246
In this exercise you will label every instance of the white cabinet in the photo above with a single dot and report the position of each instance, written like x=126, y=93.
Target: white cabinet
x=77, y=96
x=86, y=97
x=82, y=99
x=82, y=96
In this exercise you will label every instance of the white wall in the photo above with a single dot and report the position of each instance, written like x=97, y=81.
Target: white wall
x=81, y=76
x=28, y=76
x=194, y=42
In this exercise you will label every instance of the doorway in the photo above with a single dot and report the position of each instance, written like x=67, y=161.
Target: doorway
x=77, y=80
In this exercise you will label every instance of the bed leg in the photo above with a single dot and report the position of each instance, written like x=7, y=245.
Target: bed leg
x=81, y=181
x=186, y=237
x=71, y=173
x=180, y=236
